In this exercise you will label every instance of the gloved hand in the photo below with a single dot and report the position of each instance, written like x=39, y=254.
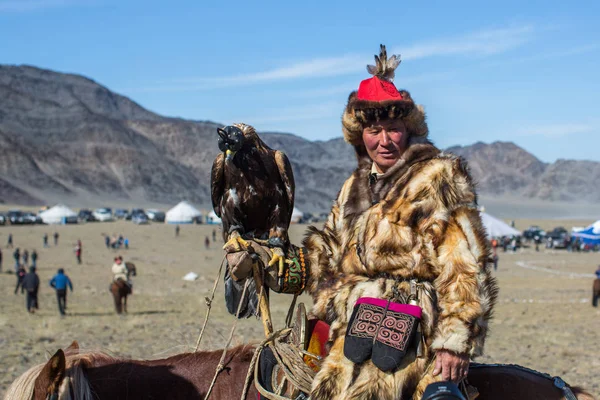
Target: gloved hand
x=240, y=262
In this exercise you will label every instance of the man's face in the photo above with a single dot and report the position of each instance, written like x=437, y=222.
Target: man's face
x=385, y=141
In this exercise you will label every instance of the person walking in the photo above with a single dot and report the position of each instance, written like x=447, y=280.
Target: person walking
x=59, y=282
x=126, y=243
x=20, y=275
x=56, y=238
x=9, y=243
x=107, y=241
x=45, y=240
x=25, y=257
x=78, y=249
x=34, y=257
x=214, y=235
x=17, y=257
x=207, y=242
x=31, y=284
x=0, y=260
x=177, y=231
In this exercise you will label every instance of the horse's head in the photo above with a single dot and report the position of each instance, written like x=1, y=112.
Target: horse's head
x=50, y=378
x=48, y=382
x=131, y=268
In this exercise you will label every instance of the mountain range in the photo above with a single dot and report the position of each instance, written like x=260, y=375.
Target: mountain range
x=66, y=138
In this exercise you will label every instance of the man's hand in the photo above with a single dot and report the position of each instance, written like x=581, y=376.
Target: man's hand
x=454, y=367
x=240, y=262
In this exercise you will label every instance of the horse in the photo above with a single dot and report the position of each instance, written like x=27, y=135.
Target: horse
x=73, y=375
x=120, y=290
x=596, y=292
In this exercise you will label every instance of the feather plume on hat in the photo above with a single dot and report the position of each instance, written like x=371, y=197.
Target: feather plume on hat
x=384, y=68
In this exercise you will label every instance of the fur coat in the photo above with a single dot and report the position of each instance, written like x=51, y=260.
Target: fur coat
x=418, y=220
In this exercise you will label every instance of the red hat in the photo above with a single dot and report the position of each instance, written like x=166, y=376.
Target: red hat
x=377, y=99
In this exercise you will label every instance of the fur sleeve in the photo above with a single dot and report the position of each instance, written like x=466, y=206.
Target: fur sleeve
x=467, y=291
x=323, y=248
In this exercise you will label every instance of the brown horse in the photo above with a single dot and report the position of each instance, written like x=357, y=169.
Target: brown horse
x=70, y=375
x=120, y=290
x=596, y=292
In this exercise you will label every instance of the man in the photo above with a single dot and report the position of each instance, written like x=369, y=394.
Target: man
x=20, y=273
x=34, y=257
x=78, y=249
x=56, y=238
x=59, y=282
x=405, y=227
x=9, y=242
x=177, y=231
x=0, y=260
x=31, y=284
x=45, y=240
x=120, y=272
x=25, y=257
x=17, y=257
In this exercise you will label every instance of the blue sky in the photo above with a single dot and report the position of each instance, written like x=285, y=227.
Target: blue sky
x=525, y=72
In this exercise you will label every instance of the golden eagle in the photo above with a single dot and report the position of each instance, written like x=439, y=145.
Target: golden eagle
x=252, y=188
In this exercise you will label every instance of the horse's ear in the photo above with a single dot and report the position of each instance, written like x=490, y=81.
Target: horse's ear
x=49, y=380
x=73, y=348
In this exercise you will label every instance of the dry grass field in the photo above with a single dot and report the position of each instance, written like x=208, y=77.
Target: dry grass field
x=544, y=319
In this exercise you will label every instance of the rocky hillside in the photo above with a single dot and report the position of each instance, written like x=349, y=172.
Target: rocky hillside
x=65, y=137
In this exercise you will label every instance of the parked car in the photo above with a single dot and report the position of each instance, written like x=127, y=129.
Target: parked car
x=140, y=219
x=156, y=215
x=30, y=218
x=134, y=212
x=121, y=213
x=2, y=219
x=103, y=214
x=15, y=217
x=558, y=238
x=533, y=231
x=86, y=216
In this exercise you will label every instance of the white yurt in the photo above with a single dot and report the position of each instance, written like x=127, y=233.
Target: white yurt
x=497, y=228
x=59, y=214
x=212, y=218
x=182, y=213
x=297, y=215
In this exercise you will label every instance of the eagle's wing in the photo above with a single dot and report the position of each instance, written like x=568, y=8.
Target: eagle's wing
x=287, y=177
x=217, y=183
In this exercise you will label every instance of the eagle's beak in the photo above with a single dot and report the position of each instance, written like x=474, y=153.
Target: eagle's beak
x=222, y=133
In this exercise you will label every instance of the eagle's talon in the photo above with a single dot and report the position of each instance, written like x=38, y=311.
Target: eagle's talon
x=236, y=243
x=278, y=257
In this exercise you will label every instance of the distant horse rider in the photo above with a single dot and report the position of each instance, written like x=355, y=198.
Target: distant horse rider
x=120, y=272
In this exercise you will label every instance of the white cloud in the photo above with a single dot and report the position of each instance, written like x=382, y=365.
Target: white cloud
x=485, y=42
x=36, y=5
x=481, y=43
x=556, y=130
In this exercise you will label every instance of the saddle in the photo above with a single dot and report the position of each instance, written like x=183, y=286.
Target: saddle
x=286, y=366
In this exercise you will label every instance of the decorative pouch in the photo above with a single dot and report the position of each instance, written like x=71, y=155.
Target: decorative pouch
x=395, y=335
x=367, y=315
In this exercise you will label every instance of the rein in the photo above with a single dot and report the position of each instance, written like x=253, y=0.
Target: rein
x=558, y=382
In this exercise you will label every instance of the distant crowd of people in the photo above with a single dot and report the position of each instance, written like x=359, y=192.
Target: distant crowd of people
x=116, y=242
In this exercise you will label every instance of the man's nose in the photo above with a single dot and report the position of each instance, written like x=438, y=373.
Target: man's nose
x=385, y=138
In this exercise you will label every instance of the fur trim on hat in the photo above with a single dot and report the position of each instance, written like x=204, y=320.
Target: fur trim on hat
x=360, y=113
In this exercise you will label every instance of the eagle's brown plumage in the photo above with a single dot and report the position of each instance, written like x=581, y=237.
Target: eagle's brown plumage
x=253, y=191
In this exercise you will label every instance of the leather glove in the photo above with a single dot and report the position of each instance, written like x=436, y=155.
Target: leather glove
x=240, y=262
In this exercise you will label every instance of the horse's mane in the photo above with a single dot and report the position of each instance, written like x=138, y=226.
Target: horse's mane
x=23, y=386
